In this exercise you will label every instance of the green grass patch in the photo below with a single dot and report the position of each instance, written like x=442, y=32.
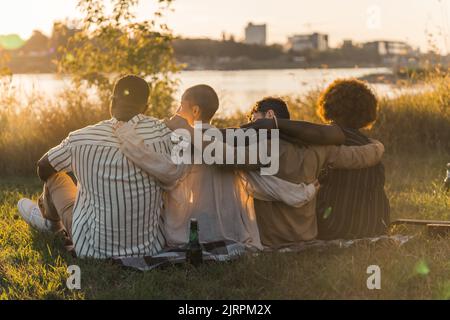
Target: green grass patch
x=33, y=266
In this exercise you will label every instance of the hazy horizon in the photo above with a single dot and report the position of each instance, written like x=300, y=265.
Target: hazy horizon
x=359, y=20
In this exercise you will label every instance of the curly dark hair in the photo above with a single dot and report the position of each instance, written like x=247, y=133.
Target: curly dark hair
x=350, y=103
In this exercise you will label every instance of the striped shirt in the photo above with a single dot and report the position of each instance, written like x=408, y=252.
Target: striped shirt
x=118, y=206
x=352, y=203
x=282, y=225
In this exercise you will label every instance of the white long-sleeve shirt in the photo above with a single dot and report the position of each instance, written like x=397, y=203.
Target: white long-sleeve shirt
x=221, y=200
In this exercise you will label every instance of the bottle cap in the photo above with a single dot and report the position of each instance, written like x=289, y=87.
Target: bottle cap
x=194, y=223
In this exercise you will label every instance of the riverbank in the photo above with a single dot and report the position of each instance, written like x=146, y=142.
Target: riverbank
x=238, y=90
x=410, y=123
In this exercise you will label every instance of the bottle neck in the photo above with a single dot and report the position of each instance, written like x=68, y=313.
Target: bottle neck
x=193, y=236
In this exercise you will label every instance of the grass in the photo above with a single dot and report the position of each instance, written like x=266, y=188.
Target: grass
x=415, y=129
x=33, y=266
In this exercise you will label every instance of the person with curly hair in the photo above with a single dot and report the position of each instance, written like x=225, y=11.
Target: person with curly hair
x=351, y=203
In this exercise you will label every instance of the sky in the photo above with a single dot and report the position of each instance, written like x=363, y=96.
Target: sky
x=360, y=20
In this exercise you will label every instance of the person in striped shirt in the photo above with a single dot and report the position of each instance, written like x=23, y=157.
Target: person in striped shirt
x=352, y=203
x=114, y=210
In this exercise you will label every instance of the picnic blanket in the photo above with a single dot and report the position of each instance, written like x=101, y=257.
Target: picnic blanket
x=219, y=251
x=317, y=244
x=223, y=251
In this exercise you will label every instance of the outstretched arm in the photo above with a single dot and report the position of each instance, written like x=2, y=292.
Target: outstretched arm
x=312, y=133
x=317, y=134
x=355, y=157
x=271, y=188
x=158, y=165
x=178, y=122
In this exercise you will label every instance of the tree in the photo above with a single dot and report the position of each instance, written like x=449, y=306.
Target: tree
x=61, y=33
x=109, y=45
x=11, y=42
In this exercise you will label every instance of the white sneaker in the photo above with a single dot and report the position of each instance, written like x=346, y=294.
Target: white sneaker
x=30, y=212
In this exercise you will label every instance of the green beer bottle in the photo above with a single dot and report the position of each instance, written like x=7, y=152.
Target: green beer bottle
x=194, y=252
x=447, y=180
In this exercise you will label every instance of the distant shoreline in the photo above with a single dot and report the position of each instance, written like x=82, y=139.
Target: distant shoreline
x=387, y=77
x=234, y=70
x=237, y=89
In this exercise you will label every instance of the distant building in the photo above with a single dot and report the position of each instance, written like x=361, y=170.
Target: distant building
x=256, y=34
x=388, y=48
x=394, y=53
x=303, y=42
x=347, y=44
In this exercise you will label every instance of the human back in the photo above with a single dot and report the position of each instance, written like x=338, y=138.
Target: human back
x=115, y=208
x=280, y=224
x=352, y=203
x=215, y=196
x=355, y=199
x=118, y=205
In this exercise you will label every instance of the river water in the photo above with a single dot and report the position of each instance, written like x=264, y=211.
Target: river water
x=237, y=90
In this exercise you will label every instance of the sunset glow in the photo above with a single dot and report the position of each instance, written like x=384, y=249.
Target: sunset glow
x=406, y=20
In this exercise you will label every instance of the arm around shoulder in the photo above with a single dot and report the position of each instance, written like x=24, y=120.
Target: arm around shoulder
x=356, y=157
